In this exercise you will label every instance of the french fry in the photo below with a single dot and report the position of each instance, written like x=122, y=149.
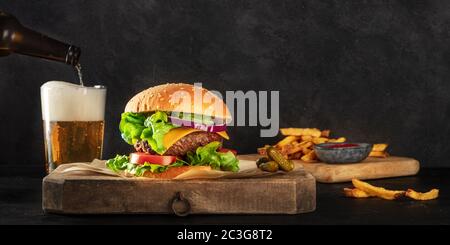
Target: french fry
x=306, y=137
x=294, y=148
x=430, y=195
x=301, y=131
x=307, y=144
x=287, y=141
x=387, y=194
x=377, y=191
x=306, y=151
x=296, y=155
x=338, y=140
x=325, y=133
x=379, y=147
x=319, y=140
x=310, y=157
x=381, y=154
x=356, y=193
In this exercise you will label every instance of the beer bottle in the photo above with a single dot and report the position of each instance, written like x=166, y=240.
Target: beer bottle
x=15, y=38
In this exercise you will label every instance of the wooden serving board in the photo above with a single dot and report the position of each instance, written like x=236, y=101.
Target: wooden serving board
x=371, y=168
x=291, y=193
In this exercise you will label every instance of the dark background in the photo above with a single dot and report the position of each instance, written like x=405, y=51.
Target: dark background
x=375, y=71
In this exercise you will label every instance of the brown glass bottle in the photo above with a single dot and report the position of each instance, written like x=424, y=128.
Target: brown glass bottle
x=15, y=38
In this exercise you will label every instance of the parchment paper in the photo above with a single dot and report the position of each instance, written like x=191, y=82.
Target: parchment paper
x=248, y=169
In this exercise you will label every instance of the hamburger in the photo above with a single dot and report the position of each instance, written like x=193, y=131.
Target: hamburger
x=174, y=128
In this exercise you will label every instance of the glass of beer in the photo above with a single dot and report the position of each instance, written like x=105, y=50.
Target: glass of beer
x=73, y=119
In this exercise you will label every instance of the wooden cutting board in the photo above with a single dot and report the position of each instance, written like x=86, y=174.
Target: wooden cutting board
x=291, y=193
x=371, y=168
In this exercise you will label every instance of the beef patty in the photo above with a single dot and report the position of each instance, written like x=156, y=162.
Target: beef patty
x=188, y=143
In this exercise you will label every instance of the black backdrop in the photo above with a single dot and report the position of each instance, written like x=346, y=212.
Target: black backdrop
x=376, y=71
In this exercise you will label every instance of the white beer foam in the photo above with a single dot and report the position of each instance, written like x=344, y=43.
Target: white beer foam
x=63, y=101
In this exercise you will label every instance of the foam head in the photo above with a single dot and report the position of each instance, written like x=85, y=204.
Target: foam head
x=62, y=101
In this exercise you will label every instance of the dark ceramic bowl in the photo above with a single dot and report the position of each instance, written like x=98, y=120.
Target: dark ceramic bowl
x=335, y=153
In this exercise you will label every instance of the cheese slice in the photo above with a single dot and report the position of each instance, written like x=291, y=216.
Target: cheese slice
x=224, y=135
x=177, y=133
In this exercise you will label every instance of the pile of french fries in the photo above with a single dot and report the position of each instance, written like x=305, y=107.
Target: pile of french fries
x=364, y=190
x=299, y=142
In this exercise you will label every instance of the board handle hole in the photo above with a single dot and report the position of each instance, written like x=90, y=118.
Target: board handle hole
x=180, y=205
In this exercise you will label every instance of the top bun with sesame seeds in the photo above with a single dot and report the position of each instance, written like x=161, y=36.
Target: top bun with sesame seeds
x=179, y=97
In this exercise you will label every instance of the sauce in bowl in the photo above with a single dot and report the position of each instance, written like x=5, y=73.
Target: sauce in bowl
x=343, y=145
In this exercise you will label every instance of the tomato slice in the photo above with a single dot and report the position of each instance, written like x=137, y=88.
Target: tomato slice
x=224, y=150
x=141, y=158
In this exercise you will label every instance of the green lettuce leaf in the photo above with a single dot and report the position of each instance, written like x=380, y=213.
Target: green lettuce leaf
x=135, y=126
x=139, y=170
x=160, y=126
x=121, y=163
x=131, y=126
x=208, y=155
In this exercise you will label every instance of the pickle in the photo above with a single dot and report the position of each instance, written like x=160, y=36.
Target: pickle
x=270, y=166
x=261, y=160
x=285, y=164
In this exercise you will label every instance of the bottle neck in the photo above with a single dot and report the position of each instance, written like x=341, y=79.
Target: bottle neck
x=29, y=42
x=15, y=38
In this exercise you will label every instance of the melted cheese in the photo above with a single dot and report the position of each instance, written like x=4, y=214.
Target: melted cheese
x=177, y=133
x=224, y=135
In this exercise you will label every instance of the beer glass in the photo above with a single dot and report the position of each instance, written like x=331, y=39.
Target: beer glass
x=73, y=120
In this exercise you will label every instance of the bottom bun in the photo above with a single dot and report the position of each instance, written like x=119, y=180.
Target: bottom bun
x=174, y=172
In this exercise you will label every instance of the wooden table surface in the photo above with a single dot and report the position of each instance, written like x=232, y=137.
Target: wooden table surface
x=20, y=203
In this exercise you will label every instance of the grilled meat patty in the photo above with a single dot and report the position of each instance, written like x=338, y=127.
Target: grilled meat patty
x=188, y=143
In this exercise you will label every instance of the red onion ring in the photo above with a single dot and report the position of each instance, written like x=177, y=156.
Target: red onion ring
x=208, y=128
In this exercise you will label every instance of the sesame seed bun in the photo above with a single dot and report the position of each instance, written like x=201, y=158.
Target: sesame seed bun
x=179, y=97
